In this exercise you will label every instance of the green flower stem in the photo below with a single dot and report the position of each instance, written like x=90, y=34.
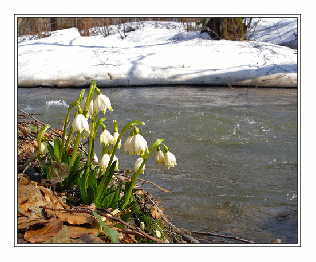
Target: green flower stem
x=75, y=149
x=89, y=98
x=69, y=137
x=115, y=126
x=78, y=111
x=129, y=192
x=40, y=135
x=71, y=128
x=66, y=122
x=100, y=189
x=93, y=132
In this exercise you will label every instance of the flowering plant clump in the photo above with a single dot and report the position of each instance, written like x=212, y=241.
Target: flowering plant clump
x=94, y=179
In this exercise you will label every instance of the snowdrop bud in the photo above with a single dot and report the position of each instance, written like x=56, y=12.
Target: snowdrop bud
x=101, y=103
x=87, y=133
x=43, y=148
x=95, y=158
x=106, y=137
x=90, y=109
x=170, y=160
x=104, y=162
x=160, y=158
x=115, y=136
x=117, y=162
x=157, y=233
x=138, y=163
x=80, y=123
x=142, y=226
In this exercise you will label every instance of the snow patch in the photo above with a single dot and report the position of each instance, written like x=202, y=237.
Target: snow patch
x=159, y=53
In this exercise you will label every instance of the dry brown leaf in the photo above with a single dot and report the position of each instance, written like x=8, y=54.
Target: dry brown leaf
x=24, y=223
x=26, y=150
x=40, y=235
x=31, y=203
x=70, y=218
x=76, y=232
x=50, y=197
x=76, y=218
x=155, y=212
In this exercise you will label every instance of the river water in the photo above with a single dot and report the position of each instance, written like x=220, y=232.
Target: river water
x=236, y=149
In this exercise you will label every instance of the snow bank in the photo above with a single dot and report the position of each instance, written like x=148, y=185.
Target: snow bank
x=153, y=54
x=280, y=31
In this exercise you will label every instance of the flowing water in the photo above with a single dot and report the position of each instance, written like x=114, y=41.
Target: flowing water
x=236, y=149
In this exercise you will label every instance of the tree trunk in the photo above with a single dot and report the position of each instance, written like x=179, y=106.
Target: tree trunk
x=53, y=24
x=226, y=28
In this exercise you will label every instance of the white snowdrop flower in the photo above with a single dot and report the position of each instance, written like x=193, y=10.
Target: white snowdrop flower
x=127, y=144
x=80, y=123
x=170, y=160
x=106, y=137
x=43, y=148
x=160, y=158
x=90, y=109
x=138, y=163
x=157, y=233
x=87, y=133
x=104, y=162
x=95, y=158
x=117, y=162
x=138, y=145
x=116, y=135
x=101, y=103
x=142, y=225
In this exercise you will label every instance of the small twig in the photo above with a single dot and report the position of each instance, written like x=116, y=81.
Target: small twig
x=218, y=235
x=153, y=185
x=55, y=132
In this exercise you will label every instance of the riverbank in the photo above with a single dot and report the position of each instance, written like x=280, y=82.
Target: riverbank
x=47, y=215
x=156, y=53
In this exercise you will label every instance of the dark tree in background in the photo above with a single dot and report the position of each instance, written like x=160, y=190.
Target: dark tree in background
x=53, y=24
x=229, y=28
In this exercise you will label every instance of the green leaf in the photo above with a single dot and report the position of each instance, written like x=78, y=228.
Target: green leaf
x=57, y=149
x=111, y=232
x=35, y=154
x=74, y=173
x=101, y=189
x=51, y=151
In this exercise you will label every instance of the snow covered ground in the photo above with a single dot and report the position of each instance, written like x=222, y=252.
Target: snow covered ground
x=160, y=53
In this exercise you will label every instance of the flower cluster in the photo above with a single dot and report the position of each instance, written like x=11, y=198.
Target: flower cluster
x=94, y=177
x=166, y=158
x=135, y=144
